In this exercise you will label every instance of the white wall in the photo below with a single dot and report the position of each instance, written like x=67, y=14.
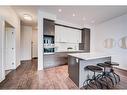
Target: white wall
x=58, y=21
x=116, y=29
x=26, y=39
x=14, y=21
x=10, y=16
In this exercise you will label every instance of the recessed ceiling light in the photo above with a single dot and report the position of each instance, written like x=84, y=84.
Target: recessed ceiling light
x=92, y=21
x=27, y=17
x=60, y=10
x=84, y=18
x=73, y=14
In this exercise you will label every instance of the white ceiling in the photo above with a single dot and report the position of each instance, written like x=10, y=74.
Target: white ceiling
x=92, y=14
x=30, y=10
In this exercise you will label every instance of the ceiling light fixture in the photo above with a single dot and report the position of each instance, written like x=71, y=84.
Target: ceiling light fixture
x=27, y=17
x=73, y=14
x=59, y=10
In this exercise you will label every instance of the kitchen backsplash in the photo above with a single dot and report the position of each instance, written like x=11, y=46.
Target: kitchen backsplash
x=66, y=46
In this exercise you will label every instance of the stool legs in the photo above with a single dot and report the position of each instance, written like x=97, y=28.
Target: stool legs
x=93, y=82
x=116, y=76
x=107, y=79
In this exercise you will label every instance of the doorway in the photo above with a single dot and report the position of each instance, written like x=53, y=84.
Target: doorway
x=34, y=44
x=9, y=48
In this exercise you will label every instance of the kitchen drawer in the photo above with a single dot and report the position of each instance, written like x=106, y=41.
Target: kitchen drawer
x=54, y=60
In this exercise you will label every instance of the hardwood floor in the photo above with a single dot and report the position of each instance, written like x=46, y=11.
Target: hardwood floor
x=26, y=76
x=123, y=77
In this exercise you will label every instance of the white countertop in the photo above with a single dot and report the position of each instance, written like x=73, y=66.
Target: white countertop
x=88, y=56
x=69, y=51
x=49, y=53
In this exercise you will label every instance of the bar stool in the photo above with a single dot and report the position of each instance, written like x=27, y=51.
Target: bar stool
x=116, y=76
x=106, y=75
x=93, y=80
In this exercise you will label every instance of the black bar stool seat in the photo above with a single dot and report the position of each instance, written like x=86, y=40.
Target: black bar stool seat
x=93, y=68
x=111, y=63
x=104, y=65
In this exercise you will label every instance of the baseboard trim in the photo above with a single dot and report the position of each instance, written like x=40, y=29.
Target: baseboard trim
x=35, y=58
x=1, y=79
x=25, y=60
x=120, y=69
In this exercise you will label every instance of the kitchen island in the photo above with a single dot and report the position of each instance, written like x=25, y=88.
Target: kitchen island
x=78, y=61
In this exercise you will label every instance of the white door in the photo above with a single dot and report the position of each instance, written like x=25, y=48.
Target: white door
x=2, y=73
x=34, y=50
x=10, y=57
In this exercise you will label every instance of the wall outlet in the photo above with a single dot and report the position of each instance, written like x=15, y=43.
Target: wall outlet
x=12, y=63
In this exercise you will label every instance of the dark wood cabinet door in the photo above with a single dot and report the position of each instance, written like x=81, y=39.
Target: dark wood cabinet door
x=87, y=40
x=73, y=69
x=81, y=46
x=85, y=35
x=49, y=27
x=85, y=45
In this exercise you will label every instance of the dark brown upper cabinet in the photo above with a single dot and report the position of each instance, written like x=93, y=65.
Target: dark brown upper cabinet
x=85, y=35
x=49, y=27
x=85, y=40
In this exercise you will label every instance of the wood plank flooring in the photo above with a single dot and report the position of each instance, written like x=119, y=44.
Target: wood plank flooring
x=26, y=76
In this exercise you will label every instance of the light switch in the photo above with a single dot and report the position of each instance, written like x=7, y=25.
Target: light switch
x=76, y=60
